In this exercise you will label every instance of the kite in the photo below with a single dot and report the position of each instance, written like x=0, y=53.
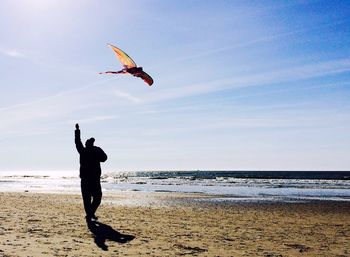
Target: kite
x=129, y=65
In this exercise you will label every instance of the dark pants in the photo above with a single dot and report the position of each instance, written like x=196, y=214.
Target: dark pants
x=91, y=190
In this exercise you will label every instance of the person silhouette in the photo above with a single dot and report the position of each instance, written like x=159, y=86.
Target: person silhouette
x=90, y=174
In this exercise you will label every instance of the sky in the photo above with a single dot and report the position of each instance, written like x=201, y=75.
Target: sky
x=239, y=85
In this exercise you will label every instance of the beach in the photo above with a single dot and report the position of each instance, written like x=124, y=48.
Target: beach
x=42, y=224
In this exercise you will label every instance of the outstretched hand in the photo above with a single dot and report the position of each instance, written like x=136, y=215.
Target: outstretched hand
x=77, y=126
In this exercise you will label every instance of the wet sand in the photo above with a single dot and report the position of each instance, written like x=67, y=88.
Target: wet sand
x=54, y=225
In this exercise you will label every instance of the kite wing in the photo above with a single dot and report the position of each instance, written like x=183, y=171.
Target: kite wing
x=123, y=57
x=145, y=77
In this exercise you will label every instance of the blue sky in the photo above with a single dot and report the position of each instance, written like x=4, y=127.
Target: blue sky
x=260, y=85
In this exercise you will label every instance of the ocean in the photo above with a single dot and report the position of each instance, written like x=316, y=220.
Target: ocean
x=232, y=186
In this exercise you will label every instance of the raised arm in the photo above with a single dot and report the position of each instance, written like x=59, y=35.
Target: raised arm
x=78, y=143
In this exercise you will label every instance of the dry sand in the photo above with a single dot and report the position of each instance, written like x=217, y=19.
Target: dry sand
x=54, y=225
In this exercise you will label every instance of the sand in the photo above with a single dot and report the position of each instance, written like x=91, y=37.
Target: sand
x=54, y=225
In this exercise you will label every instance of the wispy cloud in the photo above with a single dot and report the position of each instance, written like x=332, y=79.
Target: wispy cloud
x=287, y=74
x=43, y=111
x=93, y=119
x=11, y=53
x=255, y=41
x=53, y=96
x=127, y=96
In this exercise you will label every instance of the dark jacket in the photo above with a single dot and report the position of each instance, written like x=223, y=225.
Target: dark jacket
x=90, y=158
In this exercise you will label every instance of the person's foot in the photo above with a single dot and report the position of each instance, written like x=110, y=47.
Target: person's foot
x=92, y=218
x=88, y=218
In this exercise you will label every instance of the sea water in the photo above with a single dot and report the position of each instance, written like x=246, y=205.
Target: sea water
x=220, y=185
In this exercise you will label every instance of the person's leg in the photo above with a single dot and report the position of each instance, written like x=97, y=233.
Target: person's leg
x=86, y=194
x=96, y=198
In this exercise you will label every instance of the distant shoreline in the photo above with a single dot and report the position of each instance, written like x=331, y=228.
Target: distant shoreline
x=229, y=186
x=253, y=174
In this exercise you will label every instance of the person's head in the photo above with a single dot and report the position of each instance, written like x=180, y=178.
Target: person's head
x=90, y=142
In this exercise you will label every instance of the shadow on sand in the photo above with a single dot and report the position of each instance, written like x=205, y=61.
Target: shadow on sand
x=103, y=232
